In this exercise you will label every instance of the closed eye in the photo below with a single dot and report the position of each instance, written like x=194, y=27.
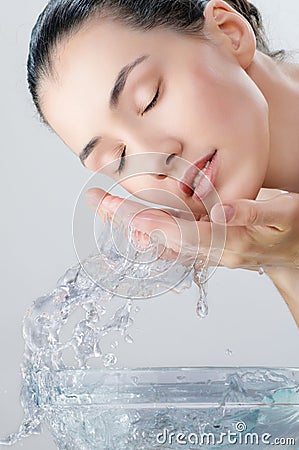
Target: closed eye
x=122, y=161
x=148, y=108
x=153, y=102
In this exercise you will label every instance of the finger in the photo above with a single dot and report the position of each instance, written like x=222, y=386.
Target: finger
x=179, y=234
x=183, y=214
x=273, y=213
x=116, y=208
x=95, y=196
x=99, y=199
x=113, y=206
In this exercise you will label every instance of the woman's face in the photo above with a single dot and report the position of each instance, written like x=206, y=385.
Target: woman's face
x=183, y=97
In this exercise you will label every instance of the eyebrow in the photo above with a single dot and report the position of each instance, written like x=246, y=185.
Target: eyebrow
x=116, y=92
x=84, y=154
x=121, y=81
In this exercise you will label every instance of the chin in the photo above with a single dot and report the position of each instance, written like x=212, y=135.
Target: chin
x=244, y=186
x=248, y=194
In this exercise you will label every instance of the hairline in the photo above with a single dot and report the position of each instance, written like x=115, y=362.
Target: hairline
x=50, y=72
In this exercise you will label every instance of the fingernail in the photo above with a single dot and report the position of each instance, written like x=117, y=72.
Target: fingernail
x=92, y=200
x=222, y=214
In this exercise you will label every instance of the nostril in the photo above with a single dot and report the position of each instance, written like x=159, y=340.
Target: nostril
x=169, y=158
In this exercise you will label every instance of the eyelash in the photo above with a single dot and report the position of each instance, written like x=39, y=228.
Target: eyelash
x=153, y=102
x=148, y=108
x=122, y=160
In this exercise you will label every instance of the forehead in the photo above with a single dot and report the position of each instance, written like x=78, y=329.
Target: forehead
x=85, y=68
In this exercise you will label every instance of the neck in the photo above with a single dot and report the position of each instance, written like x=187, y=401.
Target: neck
x=279, y=83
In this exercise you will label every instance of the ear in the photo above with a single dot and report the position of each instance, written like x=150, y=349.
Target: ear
x=225, y=23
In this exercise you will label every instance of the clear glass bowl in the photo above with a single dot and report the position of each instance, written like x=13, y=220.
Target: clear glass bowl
x=170, y=408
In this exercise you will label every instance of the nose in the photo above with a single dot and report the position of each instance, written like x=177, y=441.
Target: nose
x=156, y=156
x=168, y=160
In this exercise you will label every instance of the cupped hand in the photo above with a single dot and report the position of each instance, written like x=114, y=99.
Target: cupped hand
x=176, y=230
x=258, y=232
x=261, y=232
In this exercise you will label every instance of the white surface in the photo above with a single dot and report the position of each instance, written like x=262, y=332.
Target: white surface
x=40, y=180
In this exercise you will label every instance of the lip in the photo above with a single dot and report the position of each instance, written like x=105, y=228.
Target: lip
x=189, y=176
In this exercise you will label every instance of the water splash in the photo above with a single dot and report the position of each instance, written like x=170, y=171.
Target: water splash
x=77, y=323
x=82, y=322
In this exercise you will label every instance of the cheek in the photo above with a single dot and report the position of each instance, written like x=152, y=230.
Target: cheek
x=234, y=118
x=245, y=151
x=232, y=109
x=208, y=109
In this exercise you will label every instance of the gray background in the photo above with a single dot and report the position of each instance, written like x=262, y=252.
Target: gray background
x=40, y=180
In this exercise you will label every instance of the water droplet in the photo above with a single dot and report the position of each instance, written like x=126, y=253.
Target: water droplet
x=92, y=315
x=261, y=271
x=114, y=345
x=135, y=419
x=228, y=352
x=137, y=309
x=202, y=308
x=124, y=418
x=109, y=360
x=135, y=380
x=181, y=378
x=200, y=279
x=102, y=311
x=128, y=339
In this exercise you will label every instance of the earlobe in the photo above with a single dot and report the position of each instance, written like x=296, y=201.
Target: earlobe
x=225, y=23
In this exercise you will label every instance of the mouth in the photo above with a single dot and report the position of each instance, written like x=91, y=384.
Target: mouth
x=199, y=179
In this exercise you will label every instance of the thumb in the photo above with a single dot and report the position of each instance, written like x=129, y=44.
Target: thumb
x=116, y=208
x=98, y=199
x=95, y=196
x=272, y=212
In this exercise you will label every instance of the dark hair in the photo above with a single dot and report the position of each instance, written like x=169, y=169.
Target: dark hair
x=62, y=18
